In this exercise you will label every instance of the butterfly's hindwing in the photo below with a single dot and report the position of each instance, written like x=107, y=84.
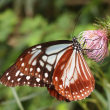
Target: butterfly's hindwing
x=72, y=77
x=55, y=94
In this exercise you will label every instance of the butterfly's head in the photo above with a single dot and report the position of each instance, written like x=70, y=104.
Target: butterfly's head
x=76, y=44
x=74, y=39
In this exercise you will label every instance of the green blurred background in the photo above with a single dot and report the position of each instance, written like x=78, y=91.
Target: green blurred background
x=24, y=23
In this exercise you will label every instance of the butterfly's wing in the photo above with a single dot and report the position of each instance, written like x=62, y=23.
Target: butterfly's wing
x=35, y=66
x=72, y=77
x=14, y=77
x=54, y=93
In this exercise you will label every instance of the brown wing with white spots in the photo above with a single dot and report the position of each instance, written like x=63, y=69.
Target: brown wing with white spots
x=36, y=65
x=39, y=61
x=58, y=96
x=72, y=77
x=13, y=77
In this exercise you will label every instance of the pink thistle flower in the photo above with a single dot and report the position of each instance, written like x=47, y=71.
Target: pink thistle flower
x=97, y=41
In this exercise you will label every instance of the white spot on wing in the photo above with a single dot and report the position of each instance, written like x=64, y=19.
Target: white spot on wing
x=33, y=48
x=7, y=74
x=12, y=81
x=46, y=75
x=38, y=46
x=38, y=69
x=34, y=63
x=27, y=77
x=18, y=79
x=25, y=69
x=31, y=69
x=41, y=63
x=82, y=94
x=44, y=79
x=22, y=64
x=61, y=86
x=28, y=82
x=21, y=59
x=21, y=74
x=78, y=96
x=37, y=79
x=44, y=58
x=9, y=78
x=68, y=95
x=66, y=92
x=56, y=78
x=56, y=48
x=62, y=66
x=34, y=55
x=51, y=59
x=48, y=67
x=17, y=73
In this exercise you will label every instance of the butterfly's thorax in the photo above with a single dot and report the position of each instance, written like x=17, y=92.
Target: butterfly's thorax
x=76, y=44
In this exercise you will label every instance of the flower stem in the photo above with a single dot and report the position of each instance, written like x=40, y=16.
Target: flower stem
x=17, y=99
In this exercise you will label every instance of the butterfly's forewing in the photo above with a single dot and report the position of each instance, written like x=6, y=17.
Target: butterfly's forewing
x=58, y=96
x=72, y=77
x=36, y=64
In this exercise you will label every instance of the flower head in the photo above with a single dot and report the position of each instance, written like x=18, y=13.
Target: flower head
x=97, y=41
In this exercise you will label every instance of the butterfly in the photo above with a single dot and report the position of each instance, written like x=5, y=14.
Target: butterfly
x=57, y=65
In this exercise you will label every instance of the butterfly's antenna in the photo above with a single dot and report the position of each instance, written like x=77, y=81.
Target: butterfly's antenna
x=76, y=23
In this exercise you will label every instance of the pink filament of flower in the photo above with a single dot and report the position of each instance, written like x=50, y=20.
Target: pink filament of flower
x=98, y=42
